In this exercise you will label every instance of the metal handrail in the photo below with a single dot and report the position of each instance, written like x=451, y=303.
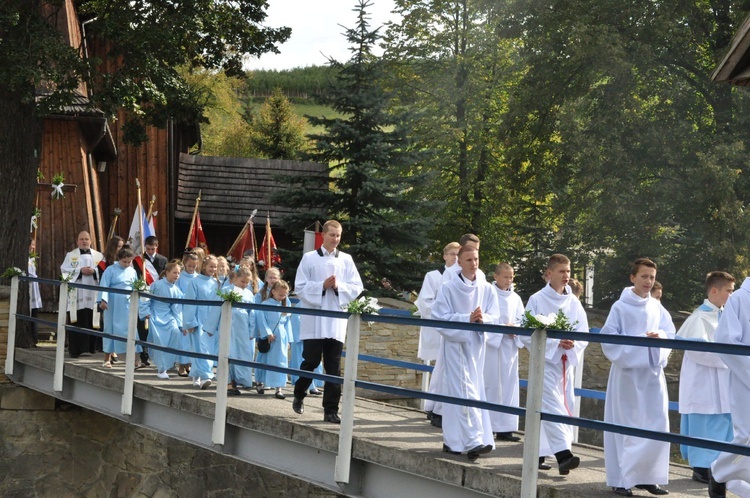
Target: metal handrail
x=532, y=412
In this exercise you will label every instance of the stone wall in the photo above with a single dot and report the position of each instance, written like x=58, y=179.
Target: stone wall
x=67, y=451
x=400, y=342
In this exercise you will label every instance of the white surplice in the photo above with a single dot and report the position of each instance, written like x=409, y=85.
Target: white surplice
x=429, y=338
x=734, y=328
x=315, y=267
x=501, y=362
x=704, y=377
x=559, y=373
x=463, y=351
x=636, y=392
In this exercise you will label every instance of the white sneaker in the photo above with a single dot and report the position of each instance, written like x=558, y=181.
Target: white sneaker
x=204, y=385
x=197, y=383
x=163, y=375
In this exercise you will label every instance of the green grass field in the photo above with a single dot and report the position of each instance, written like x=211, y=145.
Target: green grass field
x=315, y=110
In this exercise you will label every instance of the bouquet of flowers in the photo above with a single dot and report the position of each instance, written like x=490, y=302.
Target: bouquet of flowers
x=363, y=306
x=139, y=284
x=552, y=321
x=11, y=272
x=57, y=186
x=229, y=295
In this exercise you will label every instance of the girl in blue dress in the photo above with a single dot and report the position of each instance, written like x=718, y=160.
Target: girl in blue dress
x=275, y=326
x=191, y=263
x=242, y=343
x=165, y=319
x=203, y=288
x=116, y=307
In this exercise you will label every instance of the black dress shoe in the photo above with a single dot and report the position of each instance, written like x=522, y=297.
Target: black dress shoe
x=332, y=418
x=298, y=406
x=446, y=449
x=544, y=466
x=716, y=489
x=437, y=420
x=315, y=392
x=474, y=453
x=507, y=436
x=701, y=474
x=622, y=491
x=570, y=463
x=654, y=489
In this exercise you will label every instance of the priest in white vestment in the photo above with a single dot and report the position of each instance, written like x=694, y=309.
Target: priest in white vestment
x=730, y=470
x=704, y=379
x=80, y=266
x=467, y=298
x=637, y=389
x=561, y=357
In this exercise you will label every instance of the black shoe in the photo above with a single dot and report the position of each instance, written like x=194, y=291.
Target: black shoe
x=437, y=421
x=544, y=466
x=570, y=463
x=622, y=491
x=298, y=406
x=507, y=436
x=280, y=395
x=429, y=415
x=75, y=355
x=315, y=392
x=654, y=489
x=701, y=474
x=332, y=418
x=233, y=392
x=474, y=453
x=716, y=489
x=446, y=449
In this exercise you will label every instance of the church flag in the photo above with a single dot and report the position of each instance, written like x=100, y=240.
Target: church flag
x=312, y=241
x=196, y=238
x=269, y=255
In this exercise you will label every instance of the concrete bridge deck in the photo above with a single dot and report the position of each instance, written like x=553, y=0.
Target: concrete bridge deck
x=395, y=450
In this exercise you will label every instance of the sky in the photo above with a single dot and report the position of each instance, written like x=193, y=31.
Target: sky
x=316, y=31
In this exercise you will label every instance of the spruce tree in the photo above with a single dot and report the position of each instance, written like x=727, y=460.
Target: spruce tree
x=368, y=186
x=277, y=132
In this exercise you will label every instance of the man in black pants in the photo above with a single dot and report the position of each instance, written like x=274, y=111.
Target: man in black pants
x=326, y=280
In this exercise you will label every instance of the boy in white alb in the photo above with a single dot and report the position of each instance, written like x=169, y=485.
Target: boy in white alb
x=704, y=379
x=465, y=298
x=501, y=359
x=637, y=389
x=562, y=355
x=429, y=338
x=730, y=470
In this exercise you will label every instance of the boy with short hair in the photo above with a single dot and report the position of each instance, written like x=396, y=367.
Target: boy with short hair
x=704, y=379
x=501, y=358
x=637, y=389
x=560, y=358
x=429, y=338
x=468, y=298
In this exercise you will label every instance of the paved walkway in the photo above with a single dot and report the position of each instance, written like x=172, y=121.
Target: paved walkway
x=403, y=438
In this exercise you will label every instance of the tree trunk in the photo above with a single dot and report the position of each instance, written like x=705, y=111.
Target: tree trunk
x=20, y=150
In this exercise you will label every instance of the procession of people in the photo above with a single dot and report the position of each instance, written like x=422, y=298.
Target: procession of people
x=469, y=364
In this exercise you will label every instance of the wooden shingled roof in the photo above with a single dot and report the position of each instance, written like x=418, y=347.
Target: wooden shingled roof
x=735, y=66
x=232, y=187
